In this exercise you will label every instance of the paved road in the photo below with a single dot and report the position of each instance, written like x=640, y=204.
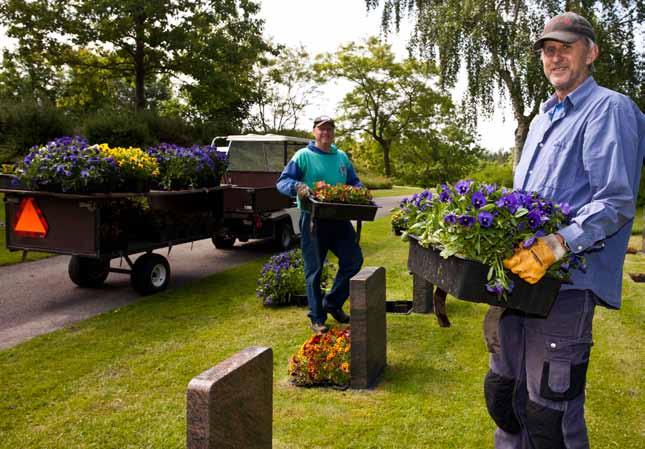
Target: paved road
x=38, y=297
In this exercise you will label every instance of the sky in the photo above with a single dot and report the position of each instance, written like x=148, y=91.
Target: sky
x=322, y=27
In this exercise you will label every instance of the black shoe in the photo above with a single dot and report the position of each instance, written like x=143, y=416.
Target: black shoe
x=319, y=328
x=338, y=315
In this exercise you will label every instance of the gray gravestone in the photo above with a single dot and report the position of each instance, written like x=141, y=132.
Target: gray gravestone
x=368, y=344
x=231, y=404
x=422, y=291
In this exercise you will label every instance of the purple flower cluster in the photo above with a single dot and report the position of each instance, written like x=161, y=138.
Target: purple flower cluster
x=486, y=223
x=193, y=167
x=67, y=164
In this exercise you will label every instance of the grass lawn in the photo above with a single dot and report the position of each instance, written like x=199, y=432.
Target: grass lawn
x=396, y=191
x=10, y=257
x=119, y=380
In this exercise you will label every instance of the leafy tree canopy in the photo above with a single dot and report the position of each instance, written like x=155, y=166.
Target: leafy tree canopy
x=492, y=40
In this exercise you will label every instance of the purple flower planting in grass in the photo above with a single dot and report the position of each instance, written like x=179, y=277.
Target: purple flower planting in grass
x=445, y=196
x=485, y=219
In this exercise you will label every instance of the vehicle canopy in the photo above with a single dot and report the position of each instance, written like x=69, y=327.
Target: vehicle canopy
x=267, y=153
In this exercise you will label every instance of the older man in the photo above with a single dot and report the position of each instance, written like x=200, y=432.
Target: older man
x=321, y=160
x=585, y=149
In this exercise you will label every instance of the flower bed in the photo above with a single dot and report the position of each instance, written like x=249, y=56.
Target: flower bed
x=283, y=278
x=484, y=223
x=323, y=360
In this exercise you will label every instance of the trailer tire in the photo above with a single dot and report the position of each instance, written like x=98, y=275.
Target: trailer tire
x=223, y=242
x=88, y=272
x=284, y=237
x=150, y=274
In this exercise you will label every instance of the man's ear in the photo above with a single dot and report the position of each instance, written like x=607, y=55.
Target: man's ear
x=592, y=55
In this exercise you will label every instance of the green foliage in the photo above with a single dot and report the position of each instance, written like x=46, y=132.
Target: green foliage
x=492, y=41
x=428, y=157
x=284, y=89
x=209, y=46
x=28, y=123
x=500, y=173
x=118, y=128
x=389, y=98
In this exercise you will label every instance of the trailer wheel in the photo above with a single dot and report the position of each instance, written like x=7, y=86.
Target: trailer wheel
x=150, y=274
x=223, y=242
x=284, y=236
x=87, y=272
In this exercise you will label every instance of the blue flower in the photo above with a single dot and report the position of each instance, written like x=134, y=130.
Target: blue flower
x=463, y=186
x=510, y=202
x=485, y=219
x=478, y=200
x=450, y=218
x=466, y=220
x=534, y=218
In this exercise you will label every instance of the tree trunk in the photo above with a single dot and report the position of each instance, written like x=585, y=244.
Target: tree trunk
x=139, y=65
x=521, y=132
x=386, y=159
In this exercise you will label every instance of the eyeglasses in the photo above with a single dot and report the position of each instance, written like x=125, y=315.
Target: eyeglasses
x=551, y=51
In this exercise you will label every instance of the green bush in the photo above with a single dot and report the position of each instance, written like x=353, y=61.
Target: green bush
x=28, y=123
x=119, y=129
x=493, y=172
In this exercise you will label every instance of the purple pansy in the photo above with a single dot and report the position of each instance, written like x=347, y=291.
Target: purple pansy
x=466, y=220
x=478, y=200
x=485, y=219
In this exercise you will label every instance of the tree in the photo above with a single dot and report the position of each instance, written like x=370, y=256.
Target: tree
x=285, y=88
x=209, y=46
x=492, y=41
x=389, y=97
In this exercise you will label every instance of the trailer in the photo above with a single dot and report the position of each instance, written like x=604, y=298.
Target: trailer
x=96, y=228
x=253, y=207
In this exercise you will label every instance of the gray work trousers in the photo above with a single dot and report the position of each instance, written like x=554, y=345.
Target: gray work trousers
x=534, y=389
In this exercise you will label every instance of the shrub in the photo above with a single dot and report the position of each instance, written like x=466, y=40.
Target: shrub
x=25, y=124
x=494, y=173
x=121, y=129
x=323, y=359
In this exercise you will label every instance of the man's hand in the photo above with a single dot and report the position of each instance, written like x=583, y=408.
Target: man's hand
x=303, y=191
x=531, y=263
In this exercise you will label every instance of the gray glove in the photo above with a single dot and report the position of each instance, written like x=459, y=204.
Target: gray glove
x=303, y=191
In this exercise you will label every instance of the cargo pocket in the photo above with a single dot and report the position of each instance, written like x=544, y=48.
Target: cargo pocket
x=564, y=372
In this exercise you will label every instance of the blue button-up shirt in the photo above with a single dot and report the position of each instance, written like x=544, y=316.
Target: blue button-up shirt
x=588, y=152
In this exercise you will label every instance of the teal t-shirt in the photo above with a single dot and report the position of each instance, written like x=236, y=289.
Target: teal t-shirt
x=317, y=166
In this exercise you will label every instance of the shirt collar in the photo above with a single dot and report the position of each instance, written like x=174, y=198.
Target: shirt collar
x=575, y=97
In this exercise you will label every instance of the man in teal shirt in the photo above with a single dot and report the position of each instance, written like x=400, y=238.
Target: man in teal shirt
x=321, y=160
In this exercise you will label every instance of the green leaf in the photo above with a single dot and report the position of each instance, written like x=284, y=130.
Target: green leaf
x=520, y=212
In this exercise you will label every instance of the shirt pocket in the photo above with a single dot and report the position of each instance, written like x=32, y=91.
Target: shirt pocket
x=561, y=167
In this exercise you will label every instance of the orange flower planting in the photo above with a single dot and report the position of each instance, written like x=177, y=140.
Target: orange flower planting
x=322, y=360
x=341, y=193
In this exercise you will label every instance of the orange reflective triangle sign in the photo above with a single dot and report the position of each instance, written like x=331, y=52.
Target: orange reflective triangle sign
x=30, y=220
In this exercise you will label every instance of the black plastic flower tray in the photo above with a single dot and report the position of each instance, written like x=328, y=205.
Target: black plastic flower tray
x=340, y=211
x=10, y=182
x=466, y=279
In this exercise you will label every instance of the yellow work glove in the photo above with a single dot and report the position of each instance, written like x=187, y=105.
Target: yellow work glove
x=531, y=263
